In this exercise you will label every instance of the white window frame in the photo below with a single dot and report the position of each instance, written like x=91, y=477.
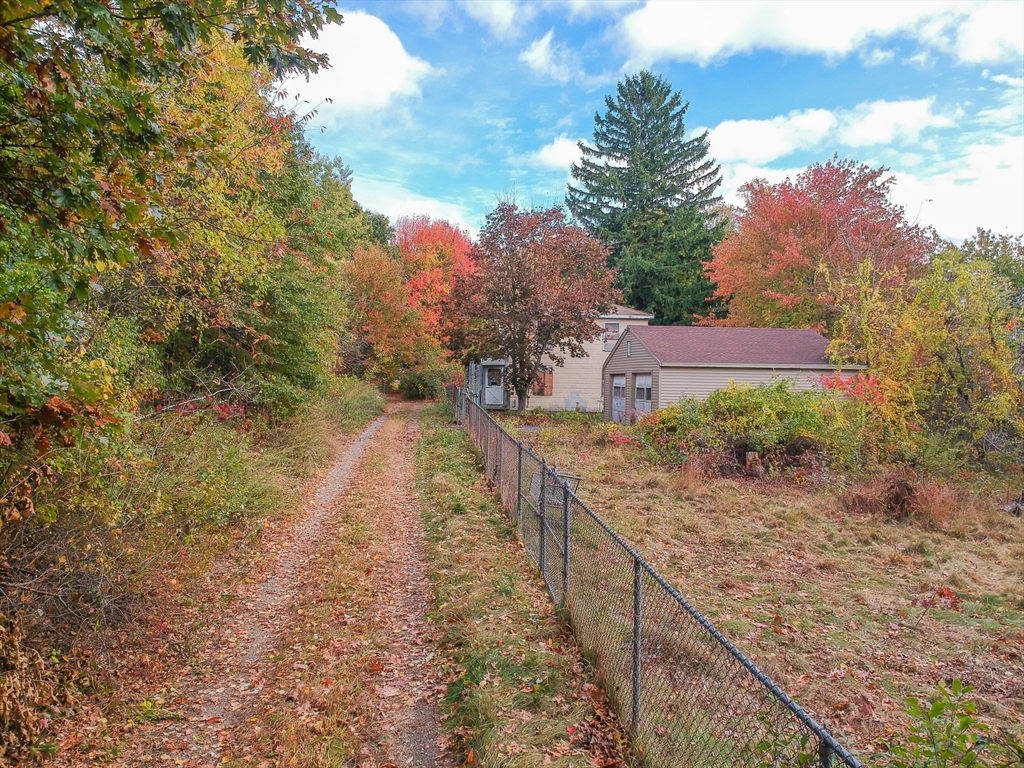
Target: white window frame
x=611, y=336
x=643, y=392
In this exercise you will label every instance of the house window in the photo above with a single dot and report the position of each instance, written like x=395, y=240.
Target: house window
x=642, y=393
x=493, y=377
x=543, y=382
x=629, y=349
x=611, y=335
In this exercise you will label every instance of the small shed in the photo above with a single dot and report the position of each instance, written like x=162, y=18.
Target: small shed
x=652, y=367
x=485, y=382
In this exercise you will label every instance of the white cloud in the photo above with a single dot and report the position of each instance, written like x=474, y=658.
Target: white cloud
x=551, y=60
x=868, y=124
x=735, y=175
x=761, y=141
x=588, y=9
x=394, y=200
x=708, y=31
x=559, y=62
x=431, y=13
x=504, y=18
x=982, y=188
x=369, y=69
x=884, y=122
x=559, y=155
x=1010, y=111
x=1012, y=82
x=876, y=57
x=991, y=33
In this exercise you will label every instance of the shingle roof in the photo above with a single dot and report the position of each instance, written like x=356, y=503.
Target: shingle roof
x=624, y=311
x=779, y=347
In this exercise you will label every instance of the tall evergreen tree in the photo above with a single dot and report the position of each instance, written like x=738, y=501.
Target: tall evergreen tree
x=650, y=194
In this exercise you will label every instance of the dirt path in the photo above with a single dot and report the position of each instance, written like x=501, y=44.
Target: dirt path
x=219, y=705
x=407, y=691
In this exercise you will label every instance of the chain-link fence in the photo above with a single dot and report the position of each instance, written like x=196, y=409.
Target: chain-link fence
x=688, y=695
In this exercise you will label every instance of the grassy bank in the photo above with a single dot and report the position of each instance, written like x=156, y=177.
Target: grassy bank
x=519, y=693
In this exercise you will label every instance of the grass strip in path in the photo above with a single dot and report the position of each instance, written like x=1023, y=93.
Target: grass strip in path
x=518, y=691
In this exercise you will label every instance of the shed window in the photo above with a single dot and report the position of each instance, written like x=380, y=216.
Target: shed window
x=543, y=382
x=611, y=335
x=642, y=396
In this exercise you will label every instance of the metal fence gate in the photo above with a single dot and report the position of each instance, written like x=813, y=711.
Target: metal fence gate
x=687, y=694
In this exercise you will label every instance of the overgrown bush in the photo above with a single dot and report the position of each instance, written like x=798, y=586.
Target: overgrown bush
x=428, y=378
x=135, y=513
x=781, y=426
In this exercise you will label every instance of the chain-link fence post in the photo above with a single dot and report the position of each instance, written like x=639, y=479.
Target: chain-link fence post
x=543, y=502
x=825, y=754
x=519, y=488
x=638, y=585
x=566, y=521
x=490, y=446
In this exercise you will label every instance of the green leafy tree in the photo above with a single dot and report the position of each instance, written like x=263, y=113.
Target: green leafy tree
x=942, y=349
x=83, y=137
x=1006, y=255
x=645, y=190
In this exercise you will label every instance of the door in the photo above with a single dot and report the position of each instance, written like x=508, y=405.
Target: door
x=642, y=396
x=619, y=399
x=494, y=388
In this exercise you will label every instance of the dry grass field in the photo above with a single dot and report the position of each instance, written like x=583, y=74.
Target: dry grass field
x=850, y=609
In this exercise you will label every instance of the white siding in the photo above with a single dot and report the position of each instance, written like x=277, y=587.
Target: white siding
x=679, y=383
x=577, y=384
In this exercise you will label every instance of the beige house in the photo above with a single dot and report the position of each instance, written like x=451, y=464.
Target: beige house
x=575, y=386
x=652, y=367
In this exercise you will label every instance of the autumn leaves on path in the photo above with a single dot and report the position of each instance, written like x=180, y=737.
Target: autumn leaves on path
x=326, y=659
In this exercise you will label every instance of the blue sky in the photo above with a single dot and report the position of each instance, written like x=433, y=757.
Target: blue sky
x=444, y=107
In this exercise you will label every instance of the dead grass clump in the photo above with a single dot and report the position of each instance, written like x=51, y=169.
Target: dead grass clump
x=29, y=690
x=906, y=497
x=946, y=507
x=688, y=479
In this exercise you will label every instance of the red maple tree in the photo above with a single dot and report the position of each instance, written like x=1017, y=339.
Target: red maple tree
x=540, y=286
x=798, y=239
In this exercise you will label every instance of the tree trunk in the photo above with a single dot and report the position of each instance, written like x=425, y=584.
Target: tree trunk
x=521, y=400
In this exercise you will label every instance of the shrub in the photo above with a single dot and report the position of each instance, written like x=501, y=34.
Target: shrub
x=427, y=379
x=946, y=732
x=783, y=427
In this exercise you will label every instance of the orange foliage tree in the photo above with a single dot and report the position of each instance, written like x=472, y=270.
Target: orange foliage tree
x=797, y=239
x=434, y=255
x=388, y=331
